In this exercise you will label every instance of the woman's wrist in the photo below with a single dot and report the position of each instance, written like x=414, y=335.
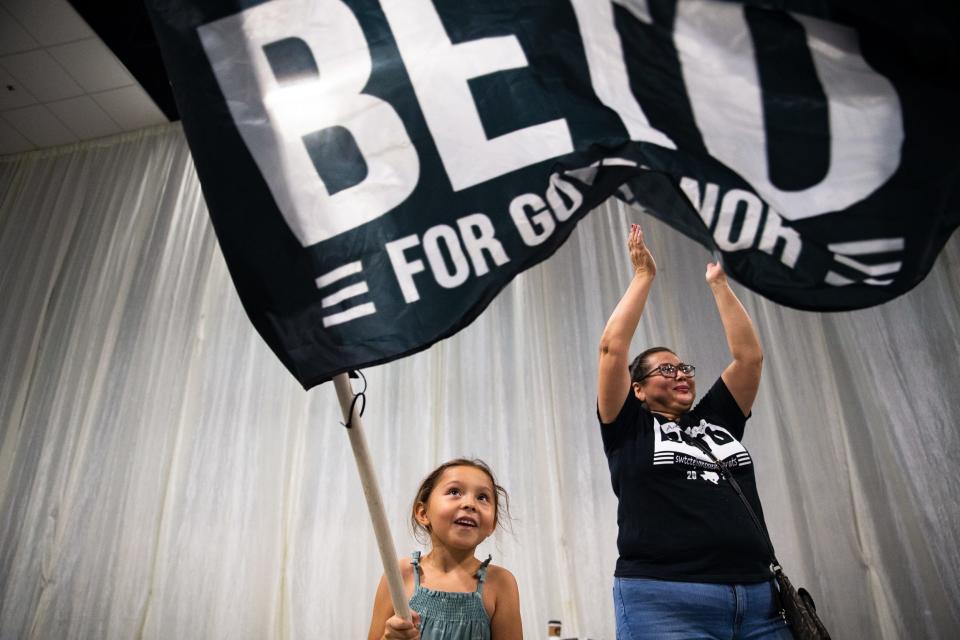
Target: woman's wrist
x=644, y=274
x=719, y=285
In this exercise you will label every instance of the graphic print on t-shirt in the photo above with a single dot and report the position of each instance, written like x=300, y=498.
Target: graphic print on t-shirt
x=672, y=444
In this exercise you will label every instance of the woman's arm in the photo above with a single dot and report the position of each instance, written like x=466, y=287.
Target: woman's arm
x=505, y=624
x=742, y=376
x=613, y=381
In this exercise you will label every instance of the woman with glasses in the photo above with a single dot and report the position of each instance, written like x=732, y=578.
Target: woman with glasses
x=692, y=563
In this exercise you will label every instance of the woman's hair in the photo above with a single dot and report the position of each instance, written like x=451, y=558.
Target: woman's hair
x=641, y=363
x=500, y=497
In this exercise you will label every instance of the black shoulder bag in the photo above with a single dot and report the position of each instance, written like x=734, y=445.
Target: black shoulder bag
x=796, y=605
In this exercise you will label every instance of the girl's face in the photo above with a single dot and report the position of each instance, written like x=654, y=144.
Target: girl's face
x=460, y=511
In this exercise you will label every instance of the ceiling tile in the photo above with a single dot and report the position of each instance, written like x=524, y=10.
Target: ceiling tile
x=130, y=107
x=12, y=93
x=92, y=65
x=84, y=117
x=11, y=141
x=49, y=21
x=13, y=37
x=41, y=75
x=38, y=125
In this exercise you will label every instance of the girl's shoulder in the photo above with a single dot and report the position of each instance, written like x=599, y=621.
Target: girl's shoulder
x=500, y=578
x=406, y=569
x=502, y=598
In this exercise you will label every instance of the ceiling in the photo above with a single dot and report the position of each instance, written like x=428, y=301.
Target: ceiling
x=72, y=72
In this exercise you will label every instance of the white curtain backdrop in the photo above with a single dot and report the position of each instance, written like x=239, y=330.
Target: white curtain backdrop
x=162, y=476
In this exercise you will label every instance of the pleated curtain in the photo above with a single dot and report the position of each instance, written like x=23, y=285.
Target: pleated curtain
x=163, y=476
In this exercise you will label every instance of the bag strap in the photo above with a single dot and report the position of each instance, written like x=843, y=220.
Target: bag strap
x=725, y=472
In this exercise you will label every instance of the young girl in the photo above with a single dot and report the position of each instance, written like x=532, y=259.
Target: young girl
x=453, y=595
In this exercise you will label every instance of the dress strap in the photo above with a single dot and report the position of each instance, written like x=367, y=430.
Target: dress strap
x=482, y=573
x=415, y=561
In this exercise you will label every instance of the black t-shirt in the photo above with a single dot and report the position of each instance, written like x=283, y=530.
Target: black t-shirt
x=678, y=518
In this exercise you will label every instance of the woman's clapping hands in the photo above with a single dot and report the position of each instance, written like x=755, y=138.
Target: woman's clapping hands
x=715, y=274
x=640, y=256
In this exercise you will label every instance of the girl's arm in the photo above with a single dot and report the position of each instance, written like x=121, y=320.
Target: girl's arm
x=505, y=623
x=382, y=611
x=613, y=381
x=384, y=624
x=742, y=376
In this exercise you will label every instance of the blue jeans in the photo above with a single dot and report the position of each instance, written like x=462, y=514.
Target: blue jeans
x=649, y=609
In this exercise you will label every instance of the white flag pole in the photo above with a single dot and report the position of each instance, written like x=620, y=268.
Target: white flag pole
x=371, y=490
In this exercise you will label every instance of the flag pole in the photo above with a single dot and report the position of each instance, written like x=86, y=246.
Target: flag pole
x=371, y=490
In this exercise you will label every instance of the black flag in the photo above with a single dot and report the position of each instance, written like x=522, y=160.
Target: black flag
x=377, y=172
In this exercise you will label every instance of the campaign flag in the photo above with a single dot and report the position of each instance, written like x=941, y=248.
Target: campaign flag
x=378, y=170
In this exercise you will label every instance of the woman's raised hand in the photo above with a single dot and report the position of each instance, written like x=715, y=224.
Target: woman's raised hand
x=399, y=629
x=640, y=256
x=715, y=274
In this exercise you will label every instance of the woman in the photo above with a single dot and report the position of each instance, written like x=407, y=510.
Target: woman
x=692, y=563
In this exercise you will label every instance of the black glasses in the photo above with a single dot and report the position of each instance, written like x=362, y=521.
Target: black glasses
x=668, y=370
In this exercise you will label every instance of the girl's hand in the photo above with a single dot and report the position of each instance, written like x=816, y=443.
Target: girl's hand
x=399, y=629
x=640, y=256
x=715, y=274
